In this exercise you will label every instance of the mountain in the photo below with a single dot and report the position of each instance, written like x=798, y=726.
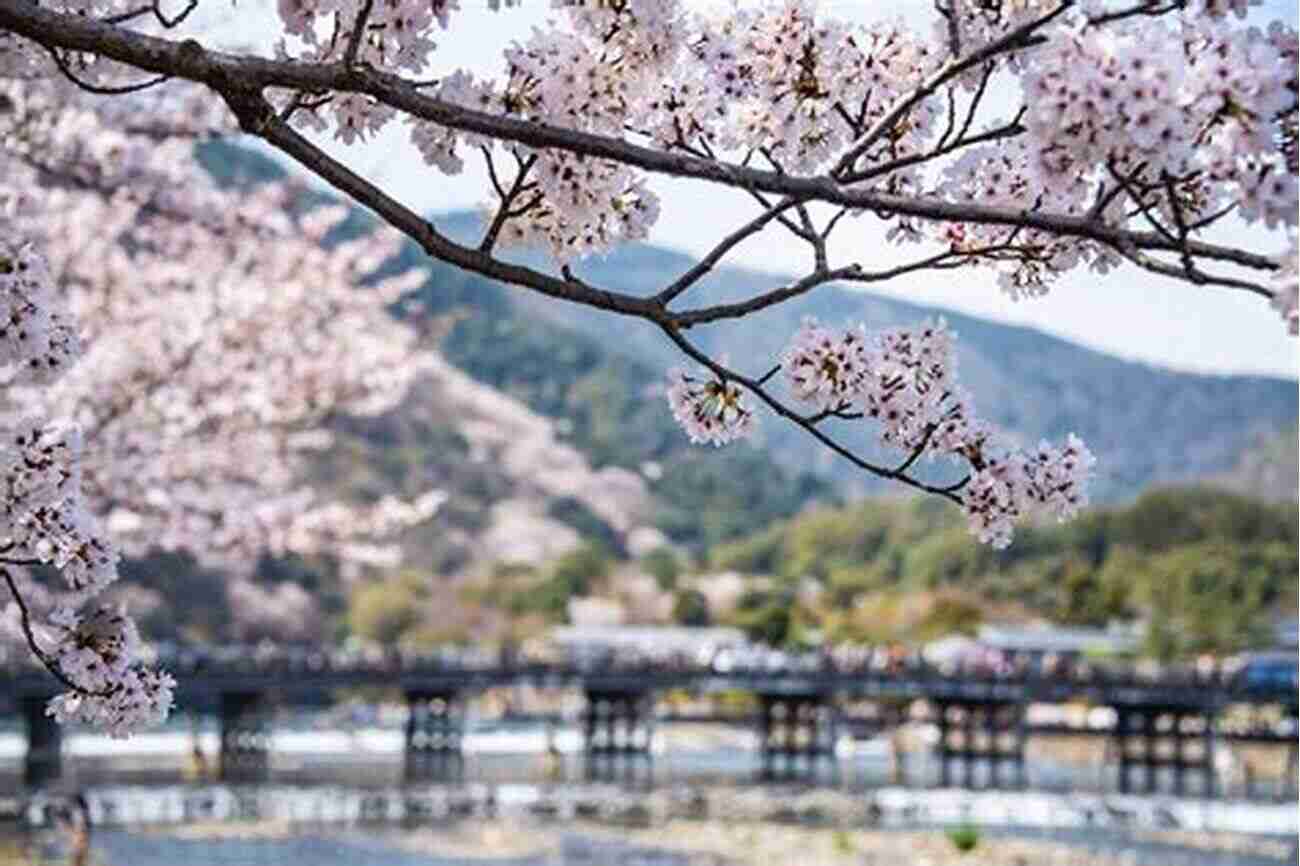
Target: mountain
x=1268, y=468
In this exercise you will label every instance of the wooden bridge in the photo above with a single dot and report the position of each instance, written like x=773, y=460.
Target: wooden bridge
x=1172, y=721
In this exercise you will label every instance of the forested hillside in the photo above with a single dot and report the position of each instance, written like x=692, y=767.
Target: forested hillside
x=1204, y=569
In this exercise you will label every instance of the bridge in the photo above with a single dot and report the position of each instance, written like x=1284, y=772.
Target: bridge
x=1173, y=721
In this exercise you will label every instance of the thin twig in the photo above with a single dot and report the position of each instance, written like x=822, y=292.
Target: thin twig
x=715, y=255
x=99, y=89
x=358, y=32
x=25, y=621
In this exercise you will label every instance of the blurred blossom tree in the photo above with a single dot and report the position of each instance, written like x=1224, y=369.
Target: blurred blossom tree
x=1142, y=124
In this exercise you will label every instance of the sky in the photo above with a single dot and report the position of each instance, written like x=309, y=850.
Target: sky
x=1127, y=313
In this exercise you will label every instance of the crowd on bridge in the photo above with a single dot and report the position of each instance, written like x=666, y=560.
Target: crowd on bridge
x=739, y=659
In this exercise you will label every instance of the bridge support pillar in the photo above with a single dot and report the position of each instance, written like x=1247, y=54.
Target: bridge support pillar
x=44, y=761
x=245, y=737
x=617, y=730
x=434, y=726
x=796, y=734
x=1291, y=773
x=1149, y=738
x=989, y=732
x=1289, y=785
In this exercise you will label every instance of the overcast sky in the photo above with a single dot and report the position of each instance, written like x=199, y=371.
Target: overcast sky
x=1127, y=313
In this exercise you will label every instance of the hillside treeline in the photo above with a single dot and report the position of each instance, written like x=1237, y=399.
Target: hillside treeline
x=1202, y=569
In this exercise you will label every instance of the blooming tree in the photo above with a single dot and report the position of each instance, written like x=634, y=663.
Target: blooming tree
x=1142, y=125
x=214, y=333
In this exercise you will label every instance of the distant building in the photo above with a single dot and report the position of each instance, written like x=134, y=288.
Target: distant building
x=646, y=641
x=1036, y=641
x=594, y=612
x=996, y=643
x=1286, y=634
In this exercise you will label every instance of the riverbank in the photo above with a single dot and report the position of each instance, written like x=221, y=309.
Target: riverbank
x=744, y=843
x=528, y=840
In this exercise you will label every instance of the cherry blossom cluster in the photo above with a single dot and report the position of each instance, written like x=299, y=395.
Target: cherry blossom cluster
x=901, y=378
x=827, y=368
x=1286, y=286
x=1026, y=261
x=1102, y=106
x=99, y=652
x=393, y=33
x=43, y=516
x=796, y=85
x=212, y=351
x=34, y=331
x=1112, y=126
x=44, y=520
x=1053, y=479
x=905, y=381
x=1184, y=132
x=710, y=409
x=218, y=330
x=777, y=80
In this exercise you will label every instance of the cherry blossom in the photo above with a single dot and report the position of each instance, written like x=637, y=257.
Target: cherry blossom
x=1286, y=286
x=206, y=351
x=904, y=381
x=826, y=368
x=46, y=522
x=709, y=409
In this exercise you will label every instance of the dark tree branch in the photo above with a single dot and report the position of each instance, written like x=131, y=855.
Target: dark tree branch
x=25, y=620
x=720, y=250
x=1007, y=130
x=850, y=273
x=1190, y=274
x=358, y=33
x=504, y=212
x=100, y=89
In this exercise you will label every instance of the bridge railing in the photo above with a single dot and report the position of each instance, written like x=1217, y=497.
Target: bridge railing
x=826, y=669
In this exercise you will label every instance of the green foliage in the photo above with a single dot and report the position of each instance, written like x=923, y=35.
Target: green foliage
x=691, y=607
x=964, y=837
x=385, y=610
x=768, y=616
x=572, y=575
x=1206, y=569
x=1213, y=596
x=950, y=615
x=572, y=512
x=579, y=569
x=663, y=566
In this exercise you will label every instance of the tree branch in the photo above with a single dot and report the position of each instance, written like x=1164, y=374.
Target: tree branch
x=358, y=33
x=25, y=620
x=257, y=117
x=756, y=388
x=715, y=255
